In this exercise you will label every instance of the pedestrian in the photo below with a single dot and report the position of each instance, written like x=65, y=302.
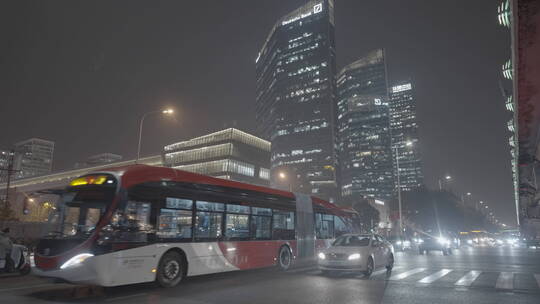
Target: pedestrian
x=6, y=247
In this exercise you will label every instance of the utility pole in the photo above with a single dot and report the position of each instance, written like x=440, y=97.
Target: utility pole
x=9, y=171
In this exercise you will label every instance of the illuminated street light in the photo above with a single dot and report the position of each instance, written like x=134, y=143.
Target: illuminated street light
x=165, y=111
x=282, y=175
x=447, y=178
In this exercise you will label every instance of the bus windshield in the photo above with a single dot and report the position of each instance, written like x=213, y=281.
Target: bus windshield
x=80, y=210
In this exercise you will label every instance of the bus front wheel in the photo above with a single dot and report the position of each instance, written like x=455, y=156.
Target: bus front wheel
x=171, y=269
x=284, y=258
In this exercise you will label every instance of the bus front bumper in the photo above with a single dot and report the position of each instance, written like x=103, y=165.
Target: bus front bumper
x=80, y=274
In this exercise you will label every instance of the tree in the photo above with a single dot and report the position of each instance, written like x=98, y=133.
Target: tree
x=6, y=213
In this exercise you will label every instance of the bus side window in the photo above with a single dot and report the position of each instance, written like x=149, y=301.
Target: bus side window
x=237, y=222
x=261, y=220
x=340, y=227
x=174, y=224
x=208, y=220
x=283, y=225
x=324, y=226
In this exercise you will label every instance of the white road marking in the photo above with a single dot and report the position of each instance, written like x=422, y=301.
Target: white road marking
x=434, y=277
x=537, y=277
x=505, y=281
x=406, y=274
x=378, y=272
x=468, y=279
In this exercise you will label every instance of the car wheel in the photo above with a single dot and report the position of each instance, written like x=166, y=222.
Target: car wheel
x=369, y=267
x=284, y=258
x=390, y=264
x=171, y=269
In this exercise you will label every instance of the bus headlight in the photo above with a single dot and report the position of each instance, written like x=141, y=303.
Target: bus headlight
x=322, y=256
x=354, y=256
x=76, y=260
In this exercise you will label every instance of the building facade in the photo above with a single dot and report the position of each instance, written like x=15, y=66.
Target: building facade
x=33, y=157
x=365, y=154
x=404, y=130
x=295, y=103
x=6, y=156
x=229, y=154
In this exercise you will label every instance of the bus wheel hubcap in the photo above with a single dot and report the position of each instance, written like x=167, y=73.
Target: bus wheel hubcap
x=172, y=269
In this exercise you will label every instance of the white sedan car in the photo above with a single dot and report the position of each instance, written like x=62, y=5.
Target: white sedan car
x=357, y=252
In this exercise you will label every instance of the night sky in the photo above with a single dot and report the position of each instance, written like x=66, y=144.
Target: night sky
x=82, y=73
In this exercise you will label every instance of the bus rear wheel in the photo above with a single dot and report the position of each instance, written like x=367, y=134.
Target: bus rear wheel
x=284, y=258
x=171, y=269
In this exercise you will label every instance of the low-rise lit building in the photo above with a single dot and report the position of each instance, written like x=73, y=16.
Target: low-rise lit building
x=229, y=154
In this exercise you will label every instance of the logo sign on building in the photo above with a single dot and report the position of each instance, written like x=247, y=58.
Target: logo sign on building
x=401, y=88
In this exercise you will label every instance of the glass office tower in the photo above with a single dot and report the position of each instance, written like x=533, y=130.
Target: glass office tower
x=364, y=130
x=295, y=109
x=404, y=129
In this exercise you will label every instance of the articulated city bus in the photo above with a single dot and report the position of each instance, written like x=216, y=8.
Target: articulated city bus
x=140, y=224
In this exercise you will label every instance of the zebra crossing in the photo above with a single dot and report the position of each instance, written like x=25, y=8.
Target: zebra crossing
x=459, y=278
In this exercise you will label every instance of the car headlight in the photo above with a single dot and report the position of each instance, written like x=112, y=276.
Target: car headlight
x=322, y=256
x=443, y=241
x=76, y=260
x=407, y=243
x=469, y=241
x=398, y=243
x=499, y=242
x=354, y=256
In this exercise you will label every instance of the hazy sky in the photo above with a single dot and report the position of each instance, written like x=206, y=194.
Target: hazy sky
x=81, y=74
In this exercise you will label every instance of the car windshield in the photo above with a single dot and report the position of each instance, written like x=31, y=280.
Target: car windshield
x=352, y=241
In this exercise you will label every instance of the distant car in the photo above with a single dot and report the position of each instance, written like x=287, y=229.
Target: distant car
x=358, y=253
x=431, y=243
x=400, y=243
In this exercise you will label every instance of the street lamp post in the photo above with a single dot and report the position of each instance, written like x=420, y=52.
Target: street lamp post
x=408, y=144
x=141, y=122
x=283, y=177
x=447, y=177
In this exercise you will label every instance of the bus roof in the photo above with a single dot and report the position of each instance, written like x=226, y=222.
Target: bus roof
x=136, y=174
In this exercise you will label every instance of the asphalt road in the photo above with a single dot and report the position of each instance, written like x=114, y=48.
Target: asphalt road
x=471, y=275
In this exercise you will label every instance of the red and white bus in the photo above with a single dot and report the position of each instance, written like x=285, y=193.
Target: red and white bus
x=140, y=224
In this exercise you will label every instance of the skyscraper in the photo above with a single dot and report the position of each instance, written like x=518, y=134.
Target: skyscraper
x=404, y=129
x=33, y=157
x=365, y=156
x=296, y=109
